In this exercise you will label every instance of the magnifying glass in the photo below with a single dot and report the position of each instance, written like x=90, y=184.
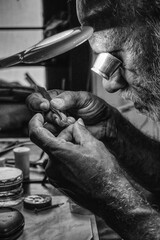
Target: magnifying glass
x=50, y=47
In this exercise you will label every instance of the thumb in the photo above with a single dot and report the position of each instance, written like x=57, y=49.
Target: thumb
x=80, y=134
x=64, y=101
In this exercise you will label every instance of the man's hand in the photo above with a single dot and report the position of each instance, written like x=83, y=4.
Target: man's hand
x=132, y=148
x=97, y=115
x=85, y=170
x=78, y=163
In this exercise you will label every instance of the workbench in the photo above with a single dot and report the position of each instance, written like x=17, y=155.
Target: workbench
x=63, y=222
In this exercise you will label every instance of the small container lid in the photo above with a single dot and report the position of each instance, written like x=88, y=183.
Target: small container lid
x=38, y=201
x=11, y=223
x=21, y=150
x=11, y=192
x=10, y=176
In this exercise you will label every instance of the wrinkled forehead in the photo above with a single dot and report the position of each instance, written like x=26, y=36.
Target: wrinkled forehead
x=102, y=14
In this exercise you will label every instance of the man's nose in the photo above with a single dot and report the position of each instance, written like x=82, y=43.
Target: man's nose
x=115, y=82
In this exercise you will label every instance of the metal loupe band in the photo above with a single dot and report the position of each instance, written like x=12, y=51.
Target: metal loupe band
x=105, y=65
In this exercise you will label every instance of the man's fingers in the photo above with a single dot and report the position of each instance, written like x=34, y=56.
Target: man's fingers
x=36, y=102
x=44, y=138
x=40, y=135
x=81, y=135
x=37, y=132
x=77, y=133
x=54, y=129
x=69, y=100
x=53, y=118
x=67, y=134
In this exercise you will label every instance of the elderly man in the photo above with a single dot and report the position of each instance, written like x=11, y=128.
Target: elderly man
x=100, y=159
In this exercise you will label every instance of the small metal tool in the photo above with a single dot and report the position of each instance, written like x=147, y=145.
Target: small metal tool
x=44, y=93
x=47, y=208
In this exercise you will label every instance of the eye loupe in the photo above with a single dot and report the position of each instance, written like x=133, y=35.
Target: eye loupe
x=105, y=65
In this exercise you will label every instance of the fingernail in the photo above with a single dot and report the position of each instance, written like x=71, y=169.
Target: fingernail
x=71, y=120
x=57, y=102
x=64, y=117
x=44, y=106
x=80, y=121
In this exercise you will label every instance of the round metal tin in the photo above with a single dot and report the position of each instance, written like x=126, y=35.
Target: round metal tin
x=10, y=176
x=38, y=201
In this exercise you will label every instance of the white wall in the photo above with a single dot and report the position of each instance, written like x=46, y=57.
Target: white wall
x=20, y=14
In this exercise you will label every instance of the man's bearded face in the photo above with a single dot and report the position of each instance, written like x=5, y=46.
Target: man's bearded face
x=131, y=33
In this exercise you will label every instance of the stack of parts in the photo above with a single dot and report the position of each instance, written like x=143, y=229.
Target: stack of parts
x=10, y=186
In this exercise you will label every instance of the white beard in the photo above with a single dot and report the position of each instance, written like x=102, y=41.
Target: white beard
x=150, y=107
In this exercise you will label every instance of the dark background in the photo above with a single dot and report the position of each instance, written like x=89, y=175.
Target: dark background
x=70, y=70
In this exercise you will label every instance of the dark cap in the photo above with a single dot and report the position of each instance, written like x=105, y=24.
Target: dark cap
x=102, y=14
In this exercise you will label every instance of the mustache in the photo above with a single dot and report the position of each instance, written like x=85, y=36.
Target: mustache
x=145, y=99
x=133, y=96
x=148, y=92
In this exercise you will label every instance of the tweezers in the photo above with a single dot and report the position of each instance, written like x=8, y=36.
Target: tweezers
x=44, y=93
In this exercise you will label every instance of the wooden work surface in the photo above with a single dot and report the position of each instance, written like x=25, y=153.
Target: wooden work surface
x=58, y=224
x=53, y=224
